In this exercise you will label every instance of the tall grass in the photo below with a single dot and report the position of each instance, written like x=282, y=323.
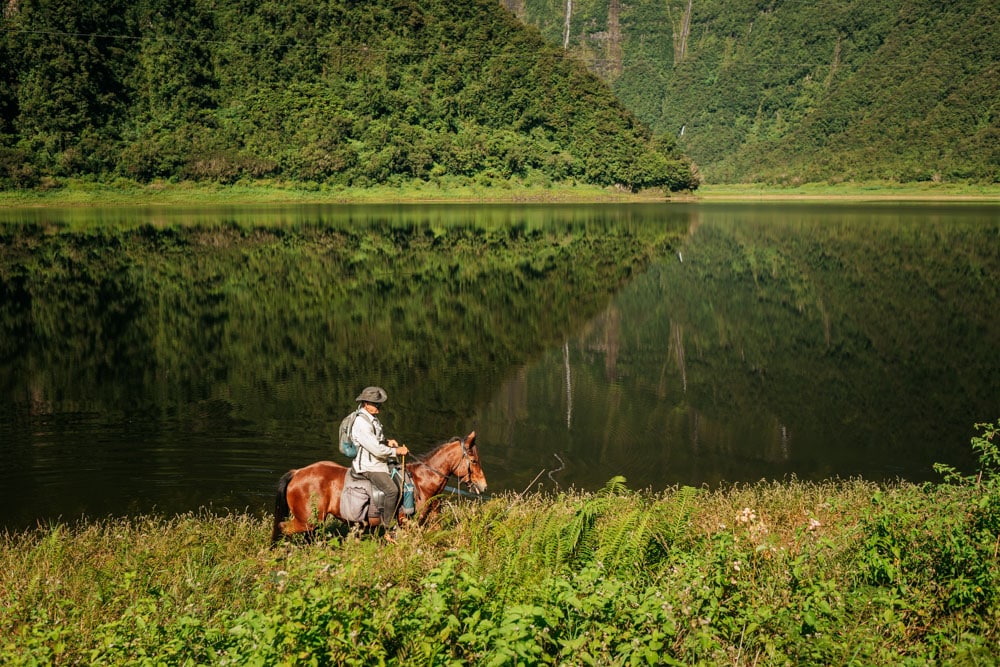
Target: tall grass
x=841, y=572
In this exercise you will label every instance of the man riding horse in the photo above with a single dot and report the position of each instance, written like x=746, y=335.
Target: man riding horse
x=374, y=452
x=307, y=496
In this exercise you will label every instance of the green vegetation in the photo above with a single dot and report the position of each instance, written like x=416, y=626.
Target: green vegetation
x=795, y=92
x=870, y=191
x=841, y=572
x=333, y=94
x=315, y=92
x=123, y=192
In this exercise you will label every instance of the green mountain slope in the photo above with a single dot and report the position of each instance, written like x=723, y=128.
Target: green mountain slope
x=323, y=91
x=790, y=91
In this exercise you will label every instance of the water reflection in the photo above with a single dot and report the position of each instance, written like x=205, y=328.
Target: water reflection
x=783, y=340
x=153, y=361
x=169, y=359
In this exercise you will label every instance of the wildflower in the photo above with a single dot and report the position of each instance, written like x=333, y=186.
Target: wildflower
x=814, y=524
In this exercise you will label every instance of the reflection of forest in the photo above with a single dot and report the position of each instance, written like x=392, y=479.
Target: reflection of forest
x=801, y=341
x=772, y=341
x=159, y=319
x=183, y=363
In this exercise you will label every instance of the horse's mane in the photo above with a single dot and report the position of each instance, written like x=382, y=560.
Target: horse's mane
x=454, y=438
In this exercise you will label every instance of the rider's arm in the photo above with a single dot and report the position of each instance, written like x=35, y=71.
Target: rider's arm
x=364, y=435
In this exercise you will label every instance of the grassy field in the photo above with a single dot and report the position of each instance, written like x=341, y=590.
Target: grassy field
x=841, y=572
x=126, y=193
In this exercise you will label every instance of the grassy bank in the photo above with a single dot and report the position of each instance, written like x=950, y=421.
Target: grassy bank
x=127, y=193
x=843, y=572
x=882, y=191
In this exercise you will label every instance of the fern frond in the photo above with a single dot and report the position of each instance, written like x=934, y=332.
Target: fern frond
x=624, y=534
x=615, y=486
x=672, y=517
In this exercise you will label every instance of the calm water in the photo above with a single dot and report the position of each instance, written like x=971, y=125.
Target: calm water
x=171, y=360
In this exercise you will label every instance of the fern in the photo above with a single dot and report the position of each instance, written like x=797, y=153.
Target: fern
x=625, y=535
x=615, y=527
x=615, y=487
x=626, y=531
x=552, y=539
x=678, y=513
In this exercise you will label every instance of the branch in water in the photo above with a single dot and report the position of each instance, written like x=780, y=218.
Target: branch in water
x=562, y=466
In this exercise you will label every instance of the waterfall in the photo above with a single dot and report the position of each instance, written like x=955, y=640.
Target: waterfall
x=569, y=13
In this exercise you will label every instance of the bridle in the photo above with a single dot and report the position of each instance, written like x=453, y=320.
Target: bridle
x=467, y=478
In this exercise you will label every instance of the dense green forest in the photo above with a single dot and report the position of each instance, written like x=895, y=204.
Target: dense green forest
x=785, y=91
x=320, y=92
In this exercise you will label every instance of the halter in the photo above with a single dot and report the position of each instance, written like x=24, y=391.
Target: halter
x=467, y=478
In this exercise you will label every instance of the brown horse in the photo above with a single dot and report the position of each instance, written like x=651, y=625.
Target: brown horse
x=311, y=494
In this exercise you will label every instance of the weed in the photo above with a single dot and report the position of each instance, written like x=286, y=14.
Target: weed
x=840, y=572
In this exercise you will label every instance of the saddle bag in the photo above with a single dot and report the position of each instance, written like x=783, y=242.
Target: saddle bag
x=354, y=503
x=360, y=499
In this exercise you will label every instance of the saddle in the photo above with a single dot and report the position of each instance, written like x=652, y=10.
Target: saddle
x=360, y=501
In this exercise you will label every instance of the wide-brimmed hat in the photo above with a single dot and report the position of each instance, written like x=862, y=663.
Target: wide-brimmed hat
x=372, y=395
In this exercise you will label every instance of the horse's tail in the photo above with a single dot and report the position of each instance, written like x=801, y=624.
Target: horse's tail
x=281, y=509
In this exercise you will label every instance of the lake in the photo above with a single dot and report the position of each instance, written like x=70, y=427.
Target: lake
x=169, y=359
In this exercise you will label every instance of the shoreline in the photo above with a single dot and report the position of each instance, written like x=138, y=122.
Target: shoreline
x=895, y=192
x=84, y=195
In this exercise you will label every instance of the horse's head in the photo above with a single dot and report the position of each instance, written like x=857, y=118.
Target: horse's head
x=469, y=469
x=458, y=457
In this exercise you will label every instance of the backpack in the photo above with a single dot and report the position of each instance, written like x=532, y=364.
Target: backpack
x=347, y=445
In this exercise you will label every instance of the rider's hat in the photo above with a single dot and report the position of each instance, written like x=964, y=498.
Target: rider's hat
x=372, y=395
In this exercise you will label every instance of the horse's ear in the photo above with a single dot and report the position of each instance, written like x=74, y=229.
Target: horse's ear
x=470, y=440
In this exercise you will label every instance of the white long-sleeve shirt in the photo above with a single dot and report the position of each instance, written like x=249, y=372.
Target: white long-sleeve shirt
x=373, y=451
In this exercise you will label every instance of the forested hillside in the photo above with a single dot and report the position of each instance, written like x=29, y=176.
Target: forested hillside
x=311, y=91
x=789, y=91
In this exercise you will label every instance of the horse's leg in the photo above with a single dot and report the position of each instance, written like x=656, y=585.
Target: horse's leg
x=432, y=511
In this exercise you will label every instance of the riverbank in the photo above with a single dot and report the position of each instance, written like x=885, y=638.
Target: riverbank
x=199, y=194
x=126, y=193
x=842, y=572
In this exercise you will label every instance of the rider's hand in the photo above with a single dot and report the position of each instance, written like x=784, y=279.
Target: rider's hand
x=392, y=443
x=402, y=450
